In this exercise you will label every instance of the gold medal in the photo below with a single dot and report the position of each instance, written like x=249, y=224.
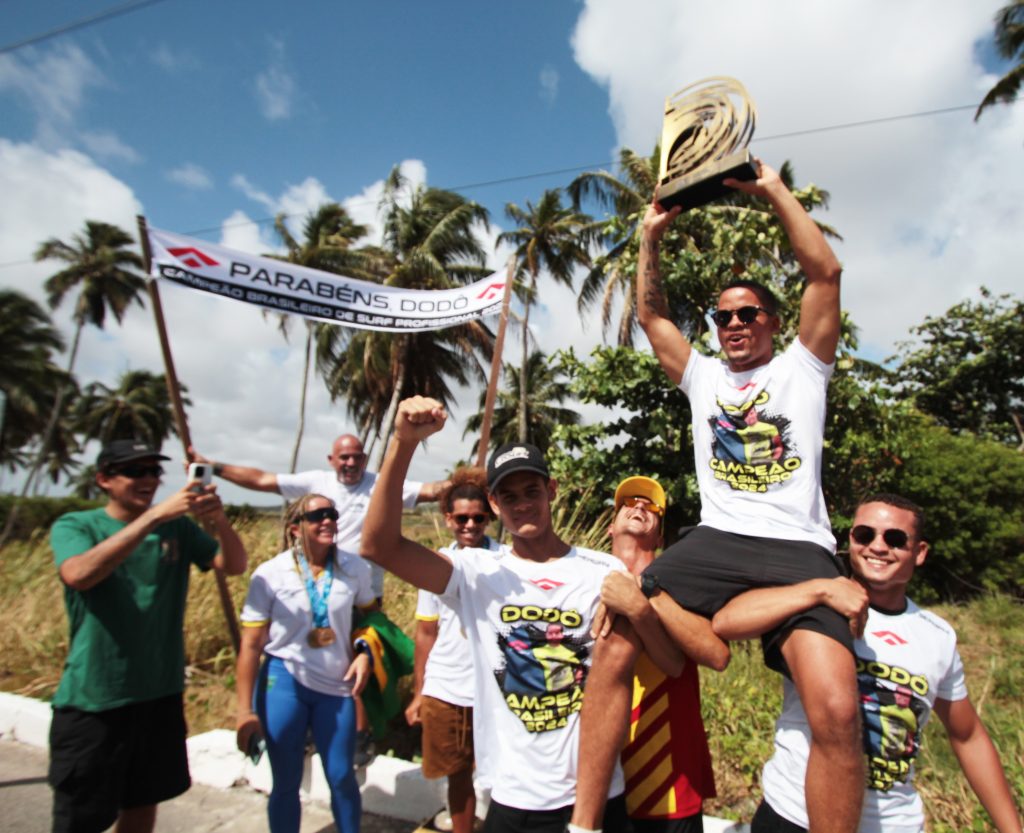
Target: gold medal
x=320, y=637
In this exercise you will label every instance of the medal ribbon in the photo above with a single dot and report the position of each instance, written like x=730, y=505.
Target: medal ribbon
x=318, y=590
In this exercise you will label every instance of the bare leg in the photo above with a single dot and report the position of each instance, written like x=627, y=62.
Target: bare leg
x=604, y=721
x=136, y=820
x=462, y=801
x=825, y=677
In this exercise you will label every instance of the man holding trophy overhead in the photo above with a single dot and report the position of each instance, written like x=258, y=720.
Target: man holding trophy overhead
x=758, y=424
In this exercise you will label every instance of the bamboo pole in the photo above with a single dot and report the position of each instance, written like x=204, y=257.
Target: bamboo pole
x=492, y=384
x=180, y=420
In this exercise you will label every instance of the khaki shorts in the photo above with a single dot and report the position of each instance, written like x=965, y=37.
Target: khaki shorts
x=447, y=737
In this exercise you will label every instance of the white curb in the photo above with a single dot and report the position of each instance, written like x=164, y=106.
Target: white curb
x=390, y=787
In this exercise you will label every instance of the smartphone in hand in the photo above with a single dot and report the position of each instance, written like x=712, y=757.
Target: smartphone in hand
x=203, y=472
x=257, y=746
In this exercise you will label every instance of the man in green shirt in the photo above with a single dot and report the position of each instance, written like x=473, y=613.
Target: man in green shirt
x=117, y=739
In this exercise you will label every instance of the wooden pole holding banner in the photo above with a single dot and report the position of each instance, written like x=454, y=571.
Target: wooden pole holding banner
x=492, y=384
x=180, y=421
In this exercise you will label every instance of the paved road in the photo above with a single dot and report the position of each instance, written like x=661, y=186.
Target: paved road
x=25, y=804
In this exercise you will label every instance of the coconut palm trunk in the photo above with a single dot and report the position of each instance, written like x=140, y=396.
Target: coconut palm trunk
x=302, y=400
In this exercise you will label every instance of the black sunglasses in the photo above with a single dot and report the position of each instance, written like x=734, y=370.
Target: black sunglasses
x=895, y=539
x=746, y=315
x=462, y=520
x=137, y=471
x=314, y=516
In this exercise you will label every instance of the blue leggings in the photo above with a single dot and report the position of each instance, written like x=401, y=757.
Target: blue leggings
x=287, y=710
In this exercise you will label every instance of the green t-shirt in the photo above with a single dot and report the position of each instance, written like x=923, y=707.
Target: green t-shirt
x=126, y=632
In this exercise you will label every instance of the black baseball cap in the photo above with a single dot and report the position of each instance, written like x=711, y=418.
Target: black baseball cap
x=125, y=451
x=513, y=457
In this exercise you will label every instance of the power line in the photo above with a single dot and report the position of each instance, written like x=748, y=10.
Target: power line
x=99, y=17
x=581, y=168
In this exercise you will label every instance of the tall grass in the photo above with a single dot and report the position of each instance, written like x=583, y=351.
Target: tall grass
x=739, y=706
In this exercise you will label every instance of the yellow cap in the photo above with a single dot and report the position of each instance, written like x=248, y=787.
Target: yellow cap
x=640, y=487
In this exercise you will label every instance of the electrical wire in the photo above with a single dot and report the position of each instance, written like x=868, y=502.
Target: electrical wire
x=99, y=17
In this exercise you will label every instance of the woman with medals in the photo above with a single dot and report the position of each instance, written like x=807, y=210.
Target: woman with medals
x=298, y=617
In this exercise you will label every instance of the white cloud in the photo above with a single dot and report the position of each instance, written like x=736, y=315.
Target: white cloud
x=52, y=84
x=190, y=175
x=106, y=145
x=174, y=60
x=549, y=85
x=924, y=204
x=275, y=86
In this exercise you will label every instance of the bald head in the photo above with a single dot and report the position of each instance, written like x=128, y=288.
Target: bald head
x=347, y=459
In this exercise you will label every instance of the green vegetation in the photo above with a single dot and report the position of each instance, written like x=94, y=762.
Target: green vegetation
x=739, y=705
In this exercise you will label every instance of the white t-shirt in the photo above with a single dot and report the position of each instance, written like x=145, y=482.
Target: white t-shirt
x=757, y=441
x=351, y=503
x=528, y=625
x=278, y=596
x=904, y=662
x=449, y=672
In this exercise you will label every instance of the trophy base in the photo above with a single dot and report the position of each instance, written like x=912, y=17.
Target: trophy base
x=705, y=185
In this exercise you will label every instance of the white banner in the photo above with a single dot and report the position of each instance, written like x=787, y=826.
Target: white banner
x=287, y=287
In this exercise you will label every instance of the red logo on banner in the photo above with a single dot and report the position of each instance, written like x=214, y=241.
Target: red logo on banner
x=890, y=638
x=191, y=256
x=546, y=583
x=492, y=291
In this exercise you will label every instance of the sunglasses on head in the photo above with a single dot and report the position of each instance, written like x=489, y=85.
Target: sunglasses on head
x=462, y=520
x=642, y=502
x=895, y=539
x=314, y=516
x=137, y=470
x=746, y=315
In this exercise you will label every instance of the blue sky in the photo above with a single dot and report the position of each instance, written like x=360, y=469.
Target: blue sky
x=210, y=116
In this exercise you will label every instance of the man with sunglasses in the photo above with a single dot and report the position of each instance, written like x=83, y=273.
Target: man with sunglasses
x=758, y=424
x=347, y=483
x=117, y=738
x=665, y=728
x=907, y=666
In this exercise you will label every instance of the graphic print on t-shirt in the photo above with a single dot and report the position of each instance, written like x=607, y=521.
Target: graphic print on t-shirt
x=892, y=712
x=544, y=665
x=751, y=449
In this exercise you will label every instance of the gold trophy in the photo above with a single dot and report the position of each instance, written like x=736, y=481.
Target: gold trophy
x=704, y=139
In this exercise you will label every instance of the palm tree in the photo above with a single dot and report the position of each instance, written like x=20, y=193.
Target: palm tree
x=101, y=268
x=546, y=390
x=139, y=407
x=328, y=235
x=613, y=272
x=551, y=237
x=429, y=243
x=29, y=378
x=1009, y=37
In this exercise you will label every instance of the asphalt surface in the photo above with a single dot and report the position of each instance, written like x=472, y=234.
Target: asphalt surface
x=25, y=801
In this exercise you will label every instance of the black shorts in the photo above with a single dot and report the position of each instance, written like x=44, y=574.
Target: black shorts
x=689, y=824
x=504, y=819
x=707, y=567
x=105, y=762
x=766, y=820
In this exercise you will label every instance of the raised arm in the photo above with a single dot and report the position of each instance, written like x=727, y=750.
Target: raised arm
x=383, y=542
x=819, y=308
x=430, y=492
x=980, y=761
x=752, y=613
x=245, y=476
x=670, y=345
